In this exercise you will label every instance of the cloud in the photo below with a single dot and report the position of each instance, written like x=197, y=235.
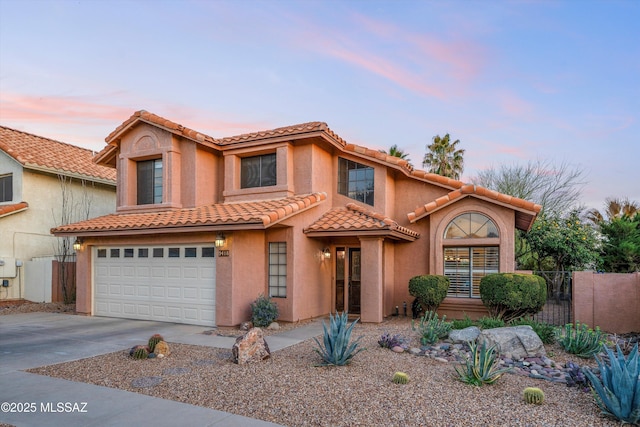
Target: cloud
x=427, y=65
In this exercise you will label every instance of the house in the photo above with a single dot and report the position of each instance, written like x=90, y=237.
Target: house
x=205, y=225
x=43, y=184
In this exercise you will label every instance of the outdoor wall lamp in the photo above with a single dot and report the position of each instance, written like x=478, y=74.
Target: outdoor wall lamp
x=220, y=240
x=77, y=245
x=326, y=253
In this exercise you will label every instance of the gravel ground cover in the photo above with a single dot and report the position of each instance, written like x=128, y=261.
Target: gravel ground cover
x=289, y=389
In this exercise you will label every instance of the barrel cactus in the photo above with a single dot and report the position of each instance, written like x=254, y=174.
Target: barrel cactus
x=533, y=395
x=139, y=352
x=400, y=378
x=155, y=339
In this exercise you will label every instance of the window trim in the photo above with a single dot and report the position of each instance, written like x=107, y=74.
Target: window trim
x=6, y=190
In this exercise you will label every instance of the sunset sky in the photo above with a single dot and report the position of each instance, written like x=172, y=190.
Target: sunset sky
x=512, y=80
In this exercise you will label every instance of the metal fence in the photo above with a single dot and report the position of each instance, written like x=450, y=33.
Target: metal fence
x=557, y=310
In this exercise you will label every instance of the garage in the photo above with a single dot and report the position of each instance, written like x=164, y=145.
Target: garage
x=170, y=283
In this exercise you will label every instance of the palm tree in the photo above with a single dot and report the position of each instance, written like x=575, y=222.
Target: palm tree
x=443, y=158
x=615, y=208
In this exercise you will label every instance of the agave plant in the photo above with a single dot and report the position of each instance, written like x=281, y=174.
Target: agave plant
x=337, y=350
x=617, y=393
x=580, y=340
x=431, y=328
x=482, y=367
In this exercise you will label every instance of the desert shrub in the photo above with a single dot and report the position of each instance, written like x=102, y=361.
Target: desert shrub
x=431, y=328
x=580, y=340
x=429, y=290
x=263, y=311
x=545, y=331
x=482, y=367
x=508, y=296
x=617, y=391
x=336, y=348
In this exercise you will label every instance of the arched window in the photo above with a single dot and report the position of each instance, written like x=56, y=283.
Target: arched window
x=466, y=265
x=471, y=226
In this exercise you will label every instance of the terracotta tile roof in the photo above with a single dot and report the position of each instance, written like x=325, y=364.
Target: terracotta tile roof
x=14, y=208
x=354, y=218
x=257, y=214
x=58, y=157
x=299, y=129
x=525, y=211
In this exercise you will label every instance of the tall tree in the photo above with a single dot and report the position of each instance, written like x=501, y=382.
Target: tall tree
x=614, y=208
x=620, y=252
x=556, y=187
x=397, y=152
x=444, y=158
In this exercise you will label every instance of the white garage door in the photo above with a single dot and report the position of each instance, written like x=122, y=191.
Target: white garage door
x=173, y=283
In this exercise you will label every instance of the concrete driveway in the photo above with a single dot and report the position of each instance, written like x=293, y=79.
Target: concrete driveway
x=31, y=340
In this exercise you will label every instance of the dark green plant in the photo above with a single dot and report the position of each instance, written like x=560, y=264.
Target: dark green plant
x=139, y=352
x=336, y=348
x=490, y=323
x=508, y=296
x=431, y=328
x=155, y=339
x=545, y=331
x=578, y=339
x=429, y=290
x=400, y=378
x=533, y=395
x=389, y=341
x=482, y=367
x=617, y=391
x=462, y=323
x=263, y=311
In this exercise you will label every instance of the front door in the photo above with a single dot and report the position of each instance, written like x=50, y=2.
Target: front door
x=348, y=280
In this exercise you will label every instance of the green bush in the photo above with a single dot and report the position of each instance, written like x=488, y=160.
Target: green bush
x=578, y=339
x=431, y=328
x=545, y=331
x=263, y=311
x=490, y=323
x=336, y=349
x=508, y=296
x=462, y=323
x=429, y=290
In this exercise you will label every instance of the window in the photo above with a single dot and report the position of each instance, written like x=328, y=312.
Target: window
x=258, y=171
x=465, y=266
x=190, y=252
x=209, y=252
x=150, y=182
x=6, y=188
x=143, y=253
x=158, y=252
x=174, y=252
x=278, y=269
x=355, y=181
x=128, y=253
x=102, y=253
x=471, y=226
x=115, y=253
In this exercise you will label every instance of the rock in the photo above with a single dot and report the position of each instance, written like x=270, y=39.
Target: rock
x=441, y=359
x=415, y=351
x=398, y=349
x=162, y=348
x=464, y=335
x=518, y=341
x=251, y=347
x=246, y=326
x=273, y=326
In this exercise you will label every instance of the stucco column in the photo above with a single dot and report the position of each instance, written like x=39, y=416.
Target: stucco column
x=84, y=280
x=372, y=279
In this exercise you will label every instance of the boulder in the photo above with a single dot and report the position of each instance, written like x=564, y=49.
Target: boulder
x=273, y=326
x=250, y=347
x=464, y=335
x=245, y=326
x=517, y=341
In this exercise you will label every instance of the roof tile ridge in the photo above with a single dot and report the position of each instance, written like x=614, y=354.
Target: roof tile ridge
x=48, y=139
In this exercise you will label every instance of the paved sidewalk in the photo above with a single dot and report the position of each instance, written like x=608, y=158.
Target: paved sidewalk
x=31, y=340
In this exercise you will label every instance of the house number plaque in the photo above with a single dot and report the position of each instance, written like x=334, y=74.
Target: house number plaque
x=223, y=252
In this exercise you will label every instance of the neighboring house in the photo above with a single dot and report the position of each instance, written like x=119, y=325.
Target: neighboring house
x=34, y=173
x=205, y=225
